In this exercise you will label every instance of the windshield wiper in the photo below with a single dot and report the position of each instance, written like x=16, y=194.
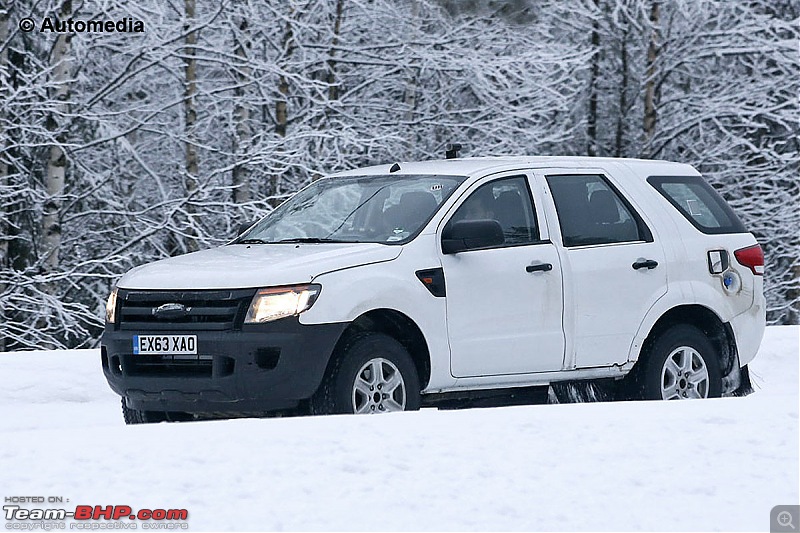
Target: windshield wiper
x=250, y=241
x=312, y=240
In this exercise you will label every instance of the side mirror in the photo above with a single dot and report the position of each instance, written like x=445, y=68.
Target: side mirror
x=244, y=226
x=470, y=235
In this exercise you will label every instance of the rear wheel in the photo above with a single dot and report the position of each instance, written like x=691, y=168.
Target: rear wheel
x=681, y=364
x=372, y=374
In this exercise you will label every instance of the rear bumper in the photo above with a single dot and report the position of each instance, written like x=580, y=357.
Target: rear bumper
x=260, y=368
x=748, y=329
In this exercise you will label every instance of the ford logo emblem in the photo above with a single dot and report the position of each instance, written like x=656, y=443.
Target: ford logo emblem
x=171, y=310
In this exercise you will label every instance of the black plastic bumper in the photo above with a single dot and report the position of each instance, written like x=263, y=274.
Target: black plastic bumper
x=259, y=368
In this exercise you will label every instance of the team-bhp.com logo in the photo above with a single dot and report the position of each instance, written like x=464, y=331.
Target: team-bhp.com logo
x=53, y=25
x=49, y=519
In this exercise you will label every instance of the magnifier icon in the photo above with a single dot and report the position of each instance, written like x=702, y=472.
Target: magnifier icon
x=785, y=519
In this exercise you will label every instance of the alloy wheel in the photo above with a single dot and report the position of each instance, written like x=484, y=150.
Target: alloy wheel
x=378, y=388
x=684, y=375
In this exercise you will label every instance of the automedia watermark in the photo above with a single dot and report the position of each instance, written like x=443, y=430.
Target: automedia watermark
x=53, y=25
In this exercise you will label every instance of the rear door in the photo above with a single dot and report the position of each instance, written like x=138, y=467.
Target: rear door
x=614, y=265
x=504, y=303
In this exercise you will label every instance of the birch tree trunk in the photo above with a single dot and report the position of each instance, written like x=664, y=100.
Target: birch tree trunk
x=281, y=113
x=241, y=115
x=282, y=103
x=622, y=113
x=333, y=88
x=57, y=159
x=410, y=93
x=4, y=228
x=591, y=129
x=650, y=111
x=190, y=121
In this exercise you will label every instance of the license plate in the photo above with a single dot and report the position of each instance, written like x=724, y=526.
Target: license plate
x=165, y=344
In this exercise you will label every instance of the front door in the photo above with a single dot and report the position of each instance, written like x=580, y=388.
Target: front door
x=504, y=303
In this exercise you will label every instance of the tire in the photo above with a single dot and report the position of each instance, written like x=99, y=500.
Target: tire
x=134, y=416
x=362, y=372
x=682, y=363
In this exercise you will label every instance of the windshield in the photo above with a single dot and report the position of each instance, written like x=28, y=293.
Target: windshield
x=382, y=209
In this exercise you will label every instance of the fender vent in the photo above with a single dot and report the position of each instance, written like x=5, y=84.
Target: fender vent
x=433, y=279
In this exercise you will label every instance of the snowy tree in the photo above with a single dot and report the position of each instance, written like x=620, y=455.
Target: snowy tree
x=119, y=148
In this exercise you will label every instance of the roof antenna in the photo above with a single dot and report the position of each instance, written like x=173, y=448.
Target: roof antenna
x=452, y=151
x=394, y=168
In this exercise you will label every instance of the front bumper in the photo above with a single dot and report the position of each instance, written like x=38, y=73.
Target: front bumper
x=259, y=368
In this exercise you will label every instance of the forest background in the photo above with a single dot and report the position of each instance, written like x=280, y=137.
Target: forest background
x=120, y=148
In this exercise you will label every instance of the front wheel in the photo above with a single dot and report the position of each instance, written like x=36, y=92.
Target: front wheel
x=134, y=416
x=372, y=374
x=681, y=364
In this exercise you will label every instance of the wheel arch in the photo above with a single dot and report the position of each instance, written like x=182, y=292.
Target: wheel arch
x=718, y=332
x=400, y=327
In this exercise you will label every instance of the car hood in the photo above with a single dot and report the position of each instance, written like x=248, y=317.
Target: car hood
x=254, y=265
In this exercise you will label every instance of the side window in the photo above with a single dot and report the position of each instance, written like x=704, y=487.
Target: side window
x=699, y=203
x=591, y=212
x=508, y=201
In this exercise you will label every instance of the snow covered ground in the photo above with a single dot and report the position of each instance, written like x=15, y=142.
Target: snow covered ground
x=701, y=465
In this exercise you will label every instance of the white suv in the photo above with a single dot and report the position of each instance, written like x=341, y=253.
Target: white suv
x=445, y=283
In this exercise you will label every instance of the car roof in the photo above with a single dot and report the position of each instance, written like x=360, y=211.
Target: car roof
x=469, y=166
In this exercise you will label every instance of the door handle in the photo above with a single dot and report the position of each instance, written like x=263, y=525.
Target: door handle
x=541, y=267
x=649, y=264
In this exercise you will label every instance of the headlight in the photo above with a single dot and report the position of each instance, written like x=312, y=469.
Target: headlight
x=279, y=302
x=111, y=307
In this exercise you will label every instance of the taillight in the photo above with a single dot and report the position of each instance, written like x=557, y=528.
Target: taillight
x=752, y=257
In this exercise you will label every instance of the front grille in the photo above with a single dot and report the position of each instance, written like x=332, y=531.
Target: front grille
x=210, y=310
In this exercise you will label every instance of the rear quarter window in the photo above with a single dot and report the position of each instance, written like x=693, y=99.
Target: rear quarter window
x=699, y=203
